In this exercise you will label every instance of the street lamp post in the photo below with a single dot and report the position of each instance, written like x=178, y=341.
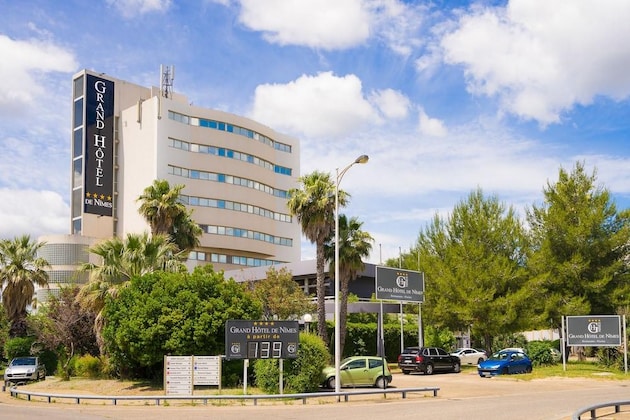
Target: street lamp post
x=360, y=159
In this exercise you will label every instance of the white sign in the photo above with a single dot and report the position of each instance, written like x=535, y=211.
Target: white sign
x=178, y=375
x=207, y=370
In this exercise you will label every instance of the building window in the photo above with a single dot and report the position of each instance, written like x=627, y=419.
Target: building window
x=221, y=126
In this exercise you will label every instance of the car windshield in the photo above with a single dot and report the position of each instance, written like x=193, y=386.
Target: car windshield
x=500, y=356
x=23, y=361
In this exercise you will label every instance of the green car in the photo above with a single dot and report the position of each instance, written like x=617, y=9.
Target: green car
x=359, y=371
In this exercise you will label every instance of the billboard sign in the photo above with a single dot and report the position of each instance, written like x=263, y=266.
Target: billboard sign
x=246, y=339
x=398, y=284
x=99, y=146
x=594, y=330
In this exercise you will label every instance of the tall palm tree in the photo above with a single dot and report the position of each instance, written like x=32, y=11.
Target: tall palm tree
x=161, y=208
x=20, y=270
x=314, y=206
x=160, y=205
x=354, y=246
x=136, y=255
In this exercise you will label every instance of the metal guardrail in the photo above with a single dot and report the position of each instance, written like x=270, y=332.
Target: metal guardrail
x=15, y=392
x=593, y=409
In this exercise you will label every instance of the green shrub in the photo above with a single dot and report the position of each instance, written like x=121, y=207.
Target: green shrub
x=302, y=374
x=540, y=353
x=88, y=366
x=18, y=346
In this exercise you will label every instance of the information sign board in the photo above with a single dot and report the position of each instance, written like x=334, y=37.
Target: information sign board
x=400, y=285
x=246, y=339
x=594, y=330
x=178, y=375
x=207, y=370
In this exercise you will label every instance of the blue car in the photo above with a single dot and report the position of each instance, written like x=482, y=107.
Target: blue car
x=505, y=362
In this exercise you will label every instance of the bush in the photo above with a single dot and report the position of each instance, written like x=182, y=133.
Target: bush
x=88, y=366
x=302, y=374
x=18, y=346
x=540, y=353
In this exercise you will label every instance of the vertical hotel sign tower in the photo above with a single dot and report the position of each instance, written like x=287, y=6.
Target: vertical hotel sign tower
x=99, y=146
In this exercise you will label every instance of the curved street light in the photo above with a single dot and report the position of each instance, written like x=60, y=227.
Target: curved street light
x=360, y=159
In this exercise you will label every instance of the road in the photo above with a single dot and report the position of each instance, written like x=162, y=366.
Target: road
x=461, y=396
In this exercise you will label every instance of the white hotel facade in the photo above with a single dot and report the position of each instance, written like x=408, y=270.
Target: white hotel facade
x=236, y=175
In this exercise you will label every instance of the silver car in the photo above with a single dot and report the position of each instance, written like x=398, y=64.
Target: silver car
x=24, y=369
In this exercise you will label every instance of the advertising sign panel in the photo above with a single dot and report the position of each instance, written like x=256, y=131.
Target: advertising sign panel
x=594, y=330
x=261, y=339
x=398, y=284
x=99, y=146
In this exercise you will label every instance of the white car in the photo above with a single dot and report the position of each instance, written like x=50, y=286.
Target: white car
x=470, y=356
x=24, y=369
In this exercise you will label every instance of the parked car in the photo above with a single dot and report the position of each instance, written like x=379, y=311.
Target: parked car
x=24, y=369
x=470, y=356
x=505, y=362
x=427, y=360
x=359, y=371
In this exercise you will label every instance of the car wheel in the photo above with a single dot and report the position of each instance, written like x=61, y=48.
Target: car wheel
x=504, y=371
x=428, y=370
x=381, y=382
x=331, y=382
x=406, y=372
x=480, y=360
x=457, y=367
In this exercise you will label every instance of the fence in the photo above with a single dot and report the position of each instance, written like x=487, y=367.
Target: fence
x=16, y=392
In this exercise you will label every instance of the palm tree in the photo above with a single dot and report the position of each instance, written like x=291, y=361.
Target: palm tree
x=314, y=206
x=20, y=270
x=354, y=246
x=121, y=260
x=160, y=205
x=161, y=208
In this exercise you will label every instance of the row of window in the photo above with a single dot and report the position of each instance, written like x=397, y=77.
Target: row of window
x=246, y=233
x=229, y=153
x=231, y=259
x=64, y=254
x=232, y=205
x=228, y=179
x=230, y=128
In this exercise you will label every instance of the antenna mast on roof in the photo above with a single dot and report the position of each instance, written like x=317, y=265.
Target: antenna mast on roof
x=166, y=82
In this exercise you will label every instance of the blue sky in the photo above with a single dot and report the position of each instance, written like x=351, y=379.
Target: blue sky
x=444, y=96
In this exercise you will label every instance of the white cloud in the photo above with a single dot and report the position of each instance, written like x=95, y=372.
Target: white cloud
x=21, y=73
x=391, y=103
x=541, y=58
x=325, y=24
x=431, y=127
x=397, y=23
x=334, y=24
x=30, y=212
x=319, y=106
x=131, y=8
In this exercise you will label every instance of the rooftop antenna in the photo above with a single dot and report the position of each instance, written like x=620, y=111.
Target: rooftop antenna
x=166, y=82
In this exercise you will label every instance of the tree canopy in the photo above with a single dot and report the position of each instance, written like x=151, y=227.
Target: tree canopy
x=172, y=313
x=314, y=206
x=167, y=215
x=474, y=263
x=579, y=260
x=281, y=296
x=20, y=270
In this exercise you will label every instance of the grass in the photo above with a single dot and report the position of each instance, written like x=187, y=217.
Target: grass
x=573, y=369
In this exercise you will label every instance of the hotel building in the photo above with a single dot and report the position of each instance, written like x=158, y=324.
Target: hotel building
x=236, y=174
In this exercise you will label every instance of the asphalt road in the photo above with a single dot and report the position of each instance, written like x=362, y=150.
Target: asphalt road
x=461, y=396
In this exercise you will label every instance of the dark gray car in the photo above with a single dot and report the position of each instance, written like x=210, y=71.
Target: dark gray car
x=427, y=360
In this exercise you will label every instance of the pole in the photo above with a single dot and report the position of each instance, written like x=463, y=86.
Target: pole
x=337, y=326
x=360, y=159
